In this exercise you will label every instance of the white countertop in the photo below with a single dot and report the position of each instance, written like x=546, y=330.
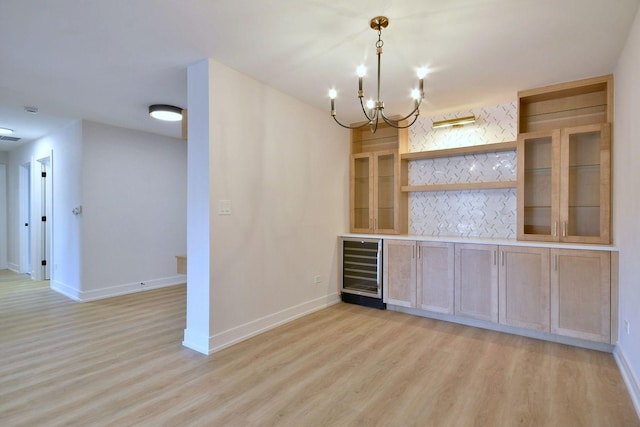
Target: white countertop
x=483, y=241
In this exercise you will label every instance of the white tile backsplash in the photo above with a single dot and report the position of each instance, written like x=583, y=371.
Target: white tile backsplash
x=496, y=123
x=473, y=213
x=483, y=167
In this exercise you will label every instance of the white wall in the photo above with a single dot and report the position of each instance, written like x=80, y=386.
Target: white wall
x=132, y=189
x=4, y=159
x=65, y=144
x=626, y=206
x=134, y=210
x=284, y=167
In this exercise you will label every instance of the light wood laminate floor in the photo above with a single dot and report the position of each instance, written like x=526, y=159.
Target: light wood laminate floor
x=120, y=362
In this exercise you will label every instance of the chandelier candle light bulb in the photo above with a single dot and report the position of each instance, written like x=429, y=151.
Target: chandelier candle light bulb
x=361, y=71
x=375, y=109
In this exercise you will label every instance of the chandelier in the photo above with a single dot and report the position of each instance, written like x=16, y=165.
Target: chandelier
x=374, y=110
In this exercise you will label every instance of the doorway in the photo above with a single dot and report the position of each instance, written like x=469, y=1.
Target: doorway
x=36, y=203
x=25, y=218
x=42, y=216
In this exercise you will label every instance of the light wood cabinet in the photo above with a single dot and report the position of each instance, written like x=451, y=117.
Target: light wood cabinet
x=565, y=292
x=503, y=284
x=374, y=192
x=419, y=275
x=399, y=272
x=524, y=287
x=377, y=204
x=564, y=162
x=435, y=277
x=476, y=281
x=564, y=185
x=581, y=294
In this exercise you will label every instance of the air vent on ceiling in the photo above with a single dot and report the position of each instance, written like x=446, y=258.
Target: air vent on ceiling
x=9, y=138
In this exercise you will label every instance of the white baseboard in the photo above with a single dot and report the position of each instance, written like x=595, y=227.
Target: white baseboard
x=629, y=377
x=197, y=342
x=114, y=291
x=222, y=340
x=14, y=267
x=64, y=289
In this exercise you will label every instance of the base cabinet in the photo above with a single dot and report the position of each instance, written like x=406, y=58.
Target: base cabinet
x=435, y=276
x=581, y=294
x=565, y=292
x=476, y=281
x=399, y=272
x=419, y=275
x=524, y=287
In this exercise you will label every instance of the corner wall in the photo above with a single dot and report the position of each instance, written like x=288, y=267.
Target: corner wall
x=626, y=207
x=284, y=168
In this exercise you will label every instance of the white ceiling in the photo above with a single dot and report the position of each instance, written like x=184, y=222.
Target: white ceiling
x=107, y=61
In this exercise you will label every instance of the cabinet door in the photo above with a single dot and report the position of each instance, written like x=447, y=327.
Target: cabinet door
x=385, y=196
x=524, y=287
x=435, y=273
x=476, y=281
x=538, y=185
x=585, y=184
x=399, y=272
x=581, y=294
x=361, y=193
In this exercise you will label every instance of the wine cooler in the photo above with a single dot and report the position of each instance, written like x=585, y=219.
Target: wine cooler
x=361, y=272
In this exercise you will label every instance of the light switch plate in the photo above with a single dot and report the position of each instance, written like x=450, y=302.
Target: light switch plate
x=224, y=207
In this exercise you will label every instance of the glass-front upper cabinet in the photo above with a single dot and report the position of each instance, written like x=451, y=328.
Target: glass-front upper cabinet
x=361, y=197
x=374, y=192
x=563, y=185
x=538, y=181
x=385, y=173
x=584, y=196
x=376, y=203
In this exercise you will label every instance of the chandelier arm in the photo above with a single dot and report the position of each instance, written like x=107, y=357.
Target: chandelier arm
x=374, y=128
x=415, y=111
x=391, y=122
x=351, y=127
x=365, y=111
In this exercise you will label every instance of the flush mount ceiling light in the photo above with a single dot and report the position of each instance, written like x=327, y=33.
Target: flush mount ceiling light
x=5, y=131
x=454, y=122
x=165, y=112
x=374, y=110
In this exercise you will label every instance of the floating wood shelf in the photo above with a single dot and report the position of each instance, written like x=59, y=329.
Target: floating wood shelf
x=460, y=151
x=461, y=186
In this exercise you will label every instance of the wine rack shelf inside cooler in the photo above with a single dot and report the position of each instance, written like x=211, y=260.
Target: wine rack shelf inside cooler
x=361, y=262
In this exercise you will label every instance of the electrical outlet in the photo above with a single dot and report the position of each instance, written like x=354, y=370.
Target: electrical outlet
x=317, y=279
x=627, y=326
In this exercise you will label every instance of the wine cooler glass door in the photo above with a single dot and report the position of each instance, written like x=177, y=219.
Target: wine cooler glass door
x=361, y=272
